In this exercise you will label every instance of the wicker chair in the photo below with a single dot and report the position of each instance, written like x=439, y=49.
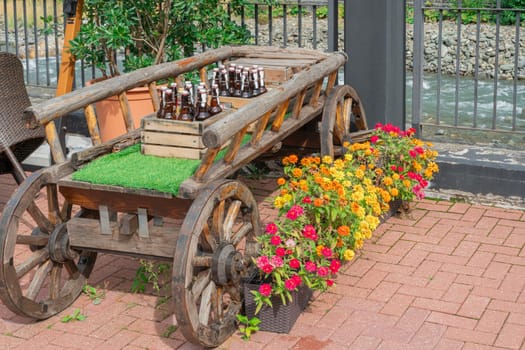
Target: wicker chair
x=16, y=141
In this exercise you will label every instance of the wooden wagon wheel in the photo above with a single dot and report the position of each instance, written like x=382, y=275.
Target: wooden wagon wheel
x=214, y=251
x=343, y=113
x=40, y=275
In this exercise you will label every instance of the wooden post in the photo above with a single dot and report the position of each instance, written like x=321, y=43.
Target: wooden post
x=66, y=75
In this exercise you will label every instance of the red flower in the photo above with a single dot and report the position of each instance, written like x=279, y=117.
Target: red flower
x=310, y=266
x=307, y=200
x=271, y=228
x=322, y=271
x=374, y=139
x=309, y=232
x=265, y=289
x=290, y=284
x=327, y=252
x=267, y=268
x=280, y=251
x=294, y=264
x=294, y=212
x=275, y=240
x=335, y=265
x=412, y=153
x=297, y=279
x=329, y=283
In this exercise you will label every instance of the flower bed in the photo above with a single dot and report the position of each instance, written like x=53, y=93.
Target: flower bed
x=328, y=208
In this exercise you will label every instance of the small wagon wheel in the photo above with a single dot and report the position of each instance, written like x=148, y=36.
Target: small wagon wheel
x=343, y=113
x=40, y=275
x=214, y=251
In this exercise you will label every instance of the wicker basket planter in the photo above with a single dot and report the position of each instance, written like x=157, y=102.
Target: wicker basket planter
x=280, y=318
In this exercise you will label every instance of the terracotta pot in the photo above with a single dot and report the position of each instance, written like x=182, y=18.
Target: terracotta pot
x=109, y=116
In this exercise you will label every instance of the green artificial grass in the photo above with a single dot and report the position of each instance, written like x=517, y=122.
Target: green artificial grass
x=130, y=168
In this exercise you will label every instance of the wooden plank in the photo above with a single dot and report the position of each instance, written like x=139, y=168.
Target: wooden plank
x=260, y=127
x=143, y=223
x=85, y=233
x=54, y=143
x=124, y=201
x=126, y=111
x=207, y=161
x=105, y=222
x=152, y=87
x=172, y=139
x=280, y=62
x=173, y=126
x=172, y=152
x=235, y=145
x=314, y=99
x=279, y=116
x=128, y=224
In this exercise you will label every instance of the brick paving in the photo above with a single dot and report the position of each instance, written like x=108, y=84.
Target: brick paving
x=447, y=276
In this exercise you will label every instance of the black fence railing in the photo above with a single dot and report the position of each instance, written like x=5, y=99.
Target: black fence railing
x=466, y=65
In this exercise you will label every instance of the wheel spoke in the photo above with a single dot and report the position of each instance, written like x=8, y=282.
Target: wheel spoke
x=229, y=221
x=52, y=204
x=217, y=303
x=202, y=260
x=38, y=280
x=37, y=240
x=36, y=258
x=72, y=269
x=241, y=233
x=203, y=278
x=347, y=114
x=218, y=219
x=208, y=238
x=54, y=287
x=43, y=223
x=206, y=299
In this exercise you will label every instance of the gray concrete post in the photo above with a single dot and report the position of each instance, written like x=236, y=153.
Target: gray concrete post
x=375, y=44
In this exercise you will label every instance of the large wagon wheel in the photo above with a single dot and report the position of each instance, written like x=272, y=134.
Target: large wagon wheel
x=214, y=250
x=343, y=113
x=40, y=275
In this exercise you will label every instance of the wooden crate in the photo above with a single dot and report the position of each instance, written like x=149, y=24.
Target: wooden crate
x=276, y=71
x=175, y=138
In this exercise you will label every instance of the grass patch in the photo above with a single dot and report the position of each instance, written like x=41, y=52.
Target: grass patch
x=132, y=169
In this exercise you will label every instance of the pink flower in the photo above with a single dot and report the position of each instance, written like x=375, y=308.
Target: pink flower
x=294, y=212
x=329, y=283
x=276, y=261
x=327, y=252
x=323, y=271
x=265, y=289
x=275, y=240
x=290, y=243
x=378, y=126
x=294, y=264
x=290, y=284
x=310, y=266
x=280, y=252
x=262, y=260
x=335, y=265
x=374, y=139
x=267, y=268
x=412, y=153
x=271, y=228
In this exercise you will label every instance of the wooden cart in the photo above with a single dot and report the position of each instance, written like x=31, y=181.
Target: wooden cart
x=208, y=230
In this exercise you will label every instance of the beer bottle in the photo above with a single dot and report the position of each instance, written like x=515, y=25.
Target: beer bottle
x=185, y=110
x=262, y=87
x=174, y=95
x=162, y=106
x=254, y=81
x=169, y=104
x=237, y=92
x=215, y=107
x=245, y=85
x=202, y=106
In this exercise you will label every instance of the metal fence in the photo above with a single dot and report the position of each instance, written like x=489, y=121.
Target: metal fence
x=466, y=64
x=468, y=70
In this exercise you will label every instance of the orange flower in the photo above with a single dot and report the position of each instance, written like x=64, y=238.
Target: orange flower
x=343, y=230
x=339, y=243
x=281, y=181
x=293, y=159
x=284, y=191
x=297, y=172
x=318, y=202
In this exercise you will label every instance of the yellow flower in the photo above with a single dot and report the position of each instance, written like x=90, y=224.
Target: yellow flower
x=348, y=157
x=359, y=173
x=394, y=192
x=387, y=181
x=297, y=172
x=406, y=182
x=395, y=176
x=279, y=202
x=359, y=243
x=349, y=254
x=327, y=160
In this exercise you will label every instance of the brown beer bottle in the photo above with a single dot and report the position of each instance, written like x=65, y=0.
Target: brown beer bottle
x=215, y=107
x=186, y=113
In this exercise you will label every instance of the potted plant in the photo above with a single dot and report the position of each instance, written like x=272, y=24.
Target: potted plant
x=328, y=208
x=121, y=36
